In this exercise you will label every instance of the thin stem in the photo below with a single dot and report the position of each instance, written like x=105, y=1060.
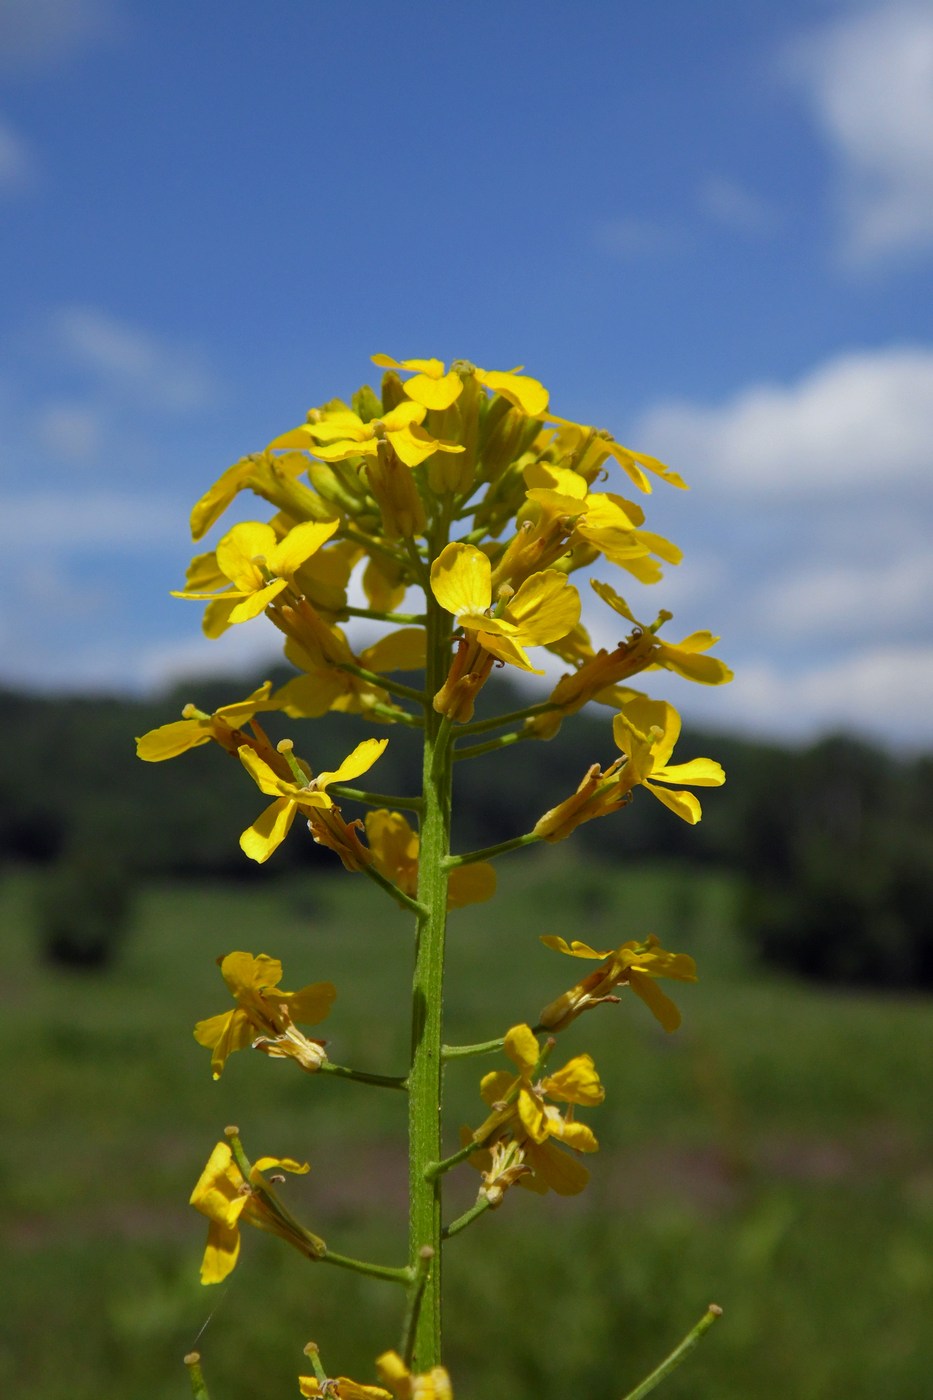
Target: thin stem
x=436, y=1169
x=196, y=1376
x=313, y=1353
x=362, y=1266
x=376, y=799
x=408, y=692
x=424, y=1080
x=373, y=546
x=491, y=745
x=415, y=1298
x=381, y=1081
x=467, y=1218
x=404, y=900
x=489, y=852
x=677, y=1355
x=410, y=619
x=485, y=1047
x=395, y=715
x=480, y=726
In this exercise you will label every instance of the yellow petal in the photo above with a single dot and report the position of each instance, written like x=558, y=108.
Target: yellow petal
x=526, y=393
x=546, y=607
x=169, y=740
x=683, y=804
x=403, y=650
x=522, y=1048
x=312, y=1003
x=299, y=544
x=461, y=579
x=269, y=830
x=657, y=1002
x=471, y=884
x=221, y=1252
x=699, y=772
x=359, y=761
x=576, y=949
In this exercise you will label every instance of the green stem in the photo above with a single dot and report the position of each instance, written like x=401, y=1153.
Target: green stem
x=362, y=1266
x=677, y=1355
x=376, y=799
x=480, y=726
x=491, y=745
x=373, y=546
x=407, y=692
x=485, y=1047
x=381, y=1081
x=415, y=619
x=195, y=1376
x=489, y=852
x=415, y=1298
x=395, y=715
x=391, y=889
x=424, y=1080
x=467, y=1218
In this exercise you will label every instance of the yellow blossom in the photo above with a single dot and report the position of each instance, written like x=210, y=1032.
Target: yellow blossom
x=262, y=1007
x=686, y=658
x=599, y=793
x=224, y=726
x=597, y=445
x=341, y=1388
x=271, y=827
x=646, y=732
x=434, y=387
x=226, y=1197
x=634, y=964
x=520, y=1110
x=545, y=607
x=257, y=566
x=343, y=435
x=430, y=1385
x=394, y=845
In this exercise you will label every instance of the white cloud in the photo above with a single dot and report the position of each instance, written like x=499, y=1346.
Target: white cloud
x=45, y=521
x=869, y=77
x=241, y=649
x=851, y=599
x=633, y=237
x=39, y=34
x=735, y=207
x=73, y=431
x=129, y=359
x=881, y=691
x=18, y=165
x=861, y=421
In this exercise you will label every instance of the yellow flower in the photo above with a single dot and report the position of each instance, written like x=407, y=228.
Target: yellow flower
x=258, y=566
x=224, y=1195
x=598, y=444
x=544, y=608
x=224, y=726
x=685, y=658
x=636, y=965
x=394, y=845
x=342, y=1388
x=433, y=387
x=271, y=827
x=646, y=732
x=599, y=793
x=431, y=1385
x=254, y=984
x=344, y=434
x=521, y=1111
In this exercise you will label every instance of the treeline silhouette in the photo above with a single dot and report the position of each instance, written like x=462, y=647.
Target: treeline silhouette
x=833, y=841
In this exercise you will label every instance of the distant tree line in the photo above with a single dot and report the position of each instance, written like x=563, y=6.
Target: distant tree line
x=834, y=840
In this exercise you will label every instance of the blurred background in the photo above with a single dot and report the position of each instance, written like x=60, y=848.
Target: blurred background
x=706, y=228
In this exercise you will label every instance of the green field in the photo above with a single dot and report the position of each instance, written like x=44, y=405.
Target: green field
x=774, y=1156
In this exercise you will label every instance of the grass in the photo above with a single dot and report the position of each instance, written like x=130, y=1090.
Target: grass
x=774, y=1156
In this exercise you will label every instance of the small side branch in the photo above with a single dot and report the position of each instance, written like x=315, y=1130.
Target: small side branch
x=391, y=889
x=363, y=1266
x=480, y=726
x=380, y=1081
x=485, y=1047
x=408, y=619
x=376, y=799
x=407, y=692
x=491, y=745
x=713, y=1312
x=490, y=852
x=467, y=1218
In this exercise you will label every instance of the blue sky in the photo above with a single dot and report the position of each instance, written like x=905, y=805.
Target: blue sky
x=708, y=228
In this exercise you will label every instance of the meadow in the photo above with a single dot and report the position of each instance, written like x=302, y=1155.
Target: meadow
x=775, y=1156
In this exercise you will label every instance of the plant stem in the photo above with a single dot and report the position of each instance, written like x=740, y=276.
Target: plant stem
x=485, y=1047
x=380, y=1081
x=412, y=618
x=467, y=1218
x=491, y=745
x=407, y=692
x=677, y=1355
x=415, y=1299
x=480, y=726
x=488, y=852
x=391, y=889
x=424, y=1080
x=376, y=799
x=196, y=1377
x=362, y=1266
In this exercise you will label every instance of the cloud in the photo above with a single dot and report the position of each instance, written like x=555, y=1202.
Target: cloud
x=848, y=599
x=126, y=358
x=44, y=522
x=736, y=208
x=74, y=432
x=862, y=421
x=869, y=80
x=18, y=165
x=631, y=237
x=40, y=34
